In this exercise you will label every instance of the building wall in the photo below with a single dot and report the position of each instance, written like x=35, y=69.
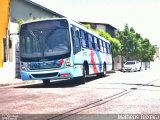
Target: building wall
x=20, y=9
x=110, y=30
x=117, y=62
x=101, y=27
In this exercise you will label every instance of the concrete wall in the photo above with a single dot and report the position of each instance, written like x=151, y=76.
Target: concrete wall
x=117, y=62
x=20, y=9
x=157, y=53
x=101, y=27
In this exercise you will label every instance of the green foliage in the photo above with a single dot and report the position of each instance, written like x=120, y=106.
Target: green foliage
x=20, y=22
x=134, y=47
x=88, y=26
x=147, y=51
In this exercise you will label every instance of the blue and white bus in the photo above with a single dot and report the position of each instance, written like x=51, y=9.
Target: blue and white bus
x=62, y=49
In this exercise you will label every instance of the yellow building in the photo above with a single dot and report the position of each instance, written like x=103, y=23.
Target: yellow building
x=4, y=18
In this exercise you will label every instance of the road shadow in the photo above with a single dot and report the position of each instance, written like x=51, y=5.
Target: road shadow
x=61, y=84
x=151, y=85
x=138, y=84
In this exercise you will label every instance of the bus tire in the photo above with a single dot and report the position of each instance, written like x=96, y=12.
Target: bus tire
x=103, y=73
x=104, y=70
x=46, y=82
x=84, y=74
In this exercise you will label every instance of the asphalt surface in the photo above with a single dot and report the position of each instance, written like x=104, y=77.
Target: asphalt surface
x=119, y=93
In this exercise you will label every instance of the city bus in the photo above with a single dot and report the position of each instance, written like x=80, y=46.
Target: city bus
x=62, y=49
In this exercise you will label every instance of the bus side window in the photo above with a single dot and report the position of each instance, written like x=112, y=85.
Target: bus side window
x=75, y=39
x=86, y=39
x=101, y=45
x=98, y=44
x=108, y=48
x=95, y=42
x=90, y=41
x=83, y=38
x=104, y=46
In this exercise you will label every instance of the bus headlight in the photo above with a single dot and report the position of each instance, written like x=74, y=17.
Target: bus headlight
x=23, y=68
x=68, y=62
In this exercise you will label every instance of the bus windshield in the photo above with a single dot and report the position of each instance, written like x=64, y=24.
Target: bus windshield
x=41, y=39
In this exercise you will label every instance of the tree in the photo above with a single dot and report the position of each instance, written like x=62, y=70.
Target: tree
x=134, y=47
x=147, y=51
x=130, y=45
x=20, y=22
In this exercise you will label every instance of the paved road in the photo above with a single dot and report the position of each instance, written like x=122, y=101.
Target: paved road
x=120, y=93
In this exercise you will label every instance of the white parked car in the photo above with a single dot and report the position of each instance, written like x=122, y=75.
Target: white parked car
x=132, y=66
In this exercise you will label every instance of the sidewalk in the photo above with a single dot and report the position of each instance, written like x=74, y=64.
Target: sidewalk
x=7, y=75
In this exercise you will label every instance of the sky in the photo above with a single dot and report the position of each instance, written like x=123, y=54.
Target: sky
x=142, y=15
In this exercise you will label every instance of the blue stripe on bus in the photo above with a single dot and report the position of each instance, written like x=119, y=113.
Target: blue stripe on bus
x=99, y=60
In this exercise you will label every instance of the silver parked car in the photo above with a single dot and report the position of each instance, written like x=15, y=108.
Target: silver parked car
x=132, y=66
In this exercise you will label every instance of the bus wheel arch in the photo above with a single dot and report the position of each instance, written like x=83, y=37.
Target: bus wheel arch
x=86, y=66
x=85, y=71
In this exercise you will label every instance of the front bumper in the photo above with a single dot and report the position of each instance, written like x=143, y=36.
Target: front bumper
x=128, y=69
x=66, y=73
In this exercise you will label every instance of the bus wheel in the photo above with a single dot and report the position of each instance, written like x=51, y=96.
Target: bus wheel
x=104, y=71
x=103, y=74
x=84, y=72
x=46, y=82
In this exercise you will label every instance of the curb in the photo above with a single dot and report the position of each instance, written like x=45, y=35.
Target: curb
x=21, y=83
